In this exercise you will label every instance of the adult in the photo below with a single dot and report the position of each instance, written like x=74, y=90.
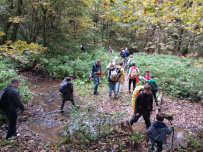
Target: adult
x=154, y=87
x=113, y=77
x=121, y=79
x=129, y=63
x=82, y=47
x=133, y=76
x=12, y=101
x=112, y=62
x=96, y=74
x=125, y=56
x=67, y=93
x=143, y=106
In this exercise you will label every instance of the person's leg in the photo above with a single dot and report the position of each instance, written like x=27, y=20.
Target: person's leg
x=12, y=118
x=134, y=84
x=114, y=88
x=110, y=89
x=118, y=86
x=159, y=145
x=134, y=118
x=154, y=94
x=96, y=84
x=152, y=146
x=121, y=87
x=73, y=102
x=130, y=80
x=146, y=116
x=62, y=103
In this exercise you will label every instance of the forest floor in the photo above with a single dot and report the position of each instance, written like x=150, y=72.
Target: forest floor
x=43, y=124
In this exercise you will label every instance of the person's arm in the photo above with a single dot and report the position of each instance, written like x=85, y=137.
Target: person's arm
x=129, y=73
x=137, y=102
x=15, y=97
x=169, y=131
x=151, y=102
x=138, y=72
x=108, y=76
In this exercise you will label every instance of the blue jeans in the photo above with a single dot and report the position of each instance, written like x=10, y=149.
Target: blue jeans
x=12, y=119
x=125, y=61
x=112, y=86
x=96, y=83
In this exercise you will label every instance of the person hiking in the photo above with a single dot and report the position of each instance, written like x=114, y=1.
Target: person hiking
x=82, y=47
x=96, y=74
x=121, y=79
x=121, y=54
x=143, y=106
x=133, y=76
x=113, y=76
x=112, y=62
x=66, y=89
x=154, y=88
x=130, y=61
x=110, y=50
x=146, y=75
x=125, y=55
x=157, y=132
x=10, y=103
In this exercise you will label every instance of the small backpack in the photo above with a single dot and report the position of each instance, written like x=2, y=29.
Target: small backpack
x=133, y=73
x=153, y=86
x=114, y=75
x=63, y=87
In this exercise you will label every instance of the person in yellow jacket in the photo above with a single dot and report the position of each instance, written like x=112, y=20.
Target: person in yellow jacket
x=121, y=79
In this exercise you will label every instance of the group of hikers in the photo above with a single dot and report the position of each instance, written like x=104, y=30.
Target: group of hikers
x=116, y=77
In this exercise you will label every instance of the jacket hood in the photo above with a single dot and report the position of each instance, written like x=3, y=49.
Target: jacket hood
x=159, y=124
x=9, y=87
x=67, y=79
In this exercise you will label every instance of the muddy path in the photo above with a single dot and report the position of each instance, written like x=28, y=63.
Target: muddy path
x=43, y=122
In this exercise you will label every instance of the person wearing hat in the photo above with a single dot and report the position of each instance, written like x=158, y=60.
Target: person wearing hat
x=67, y=93
x=130, y=61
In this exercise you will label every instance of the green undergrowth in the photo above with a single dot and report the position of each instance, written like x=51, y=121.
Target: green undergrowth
x=176, y=76
x=6, y=75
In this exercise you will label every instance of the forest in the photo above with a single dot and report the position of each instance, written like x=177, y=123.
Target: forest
x=40, y=45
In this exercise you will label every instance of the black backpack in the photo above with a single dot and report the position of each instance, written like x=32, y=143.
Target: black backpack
x=153, y=86
x=3, y=104
x=63, y=87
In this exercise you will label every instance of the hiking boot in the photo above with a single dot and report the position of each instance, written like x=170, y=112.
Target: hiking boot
x=115, y=97
x=61, y=111
x=96, y=93
x=157, y=104
x=129, y=91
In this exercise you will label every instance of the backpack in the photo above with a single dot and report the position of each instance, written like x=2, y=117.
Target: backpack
x=135, y=93
x=3, y=104
x=63, y=87
x=134, y=96
x=130, y=63
x=153, y=86
x=114, y=75
x=133, y=73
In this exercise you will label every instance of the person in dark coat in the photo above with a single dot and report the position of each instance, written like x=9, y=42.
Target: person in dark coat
x=68, y=96
x=12, y=102
x=157, y=132
x=143, y=106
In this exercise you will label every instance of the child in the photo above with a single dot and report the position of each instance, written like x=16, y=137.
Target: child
x=154, y=88
x=146, y=75
x=121, y=79
x=157, y=132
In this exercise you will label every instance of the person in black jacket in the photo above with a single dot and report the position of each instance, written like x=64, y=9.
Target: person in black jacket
x=12, y=102
x=68, y=96
x=143, y=106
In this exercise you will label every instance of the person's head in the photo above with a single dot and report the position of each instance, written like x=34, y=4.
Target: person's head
x=121, y=64
x=147, y=88
x=133, y=64
x=111, y=65
x=160, y=116
x=71, y=76
x=131, y=56
x=147, y=71
x=151, y=76
x=98, y=62
x=15, y=82
x=122, y=49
